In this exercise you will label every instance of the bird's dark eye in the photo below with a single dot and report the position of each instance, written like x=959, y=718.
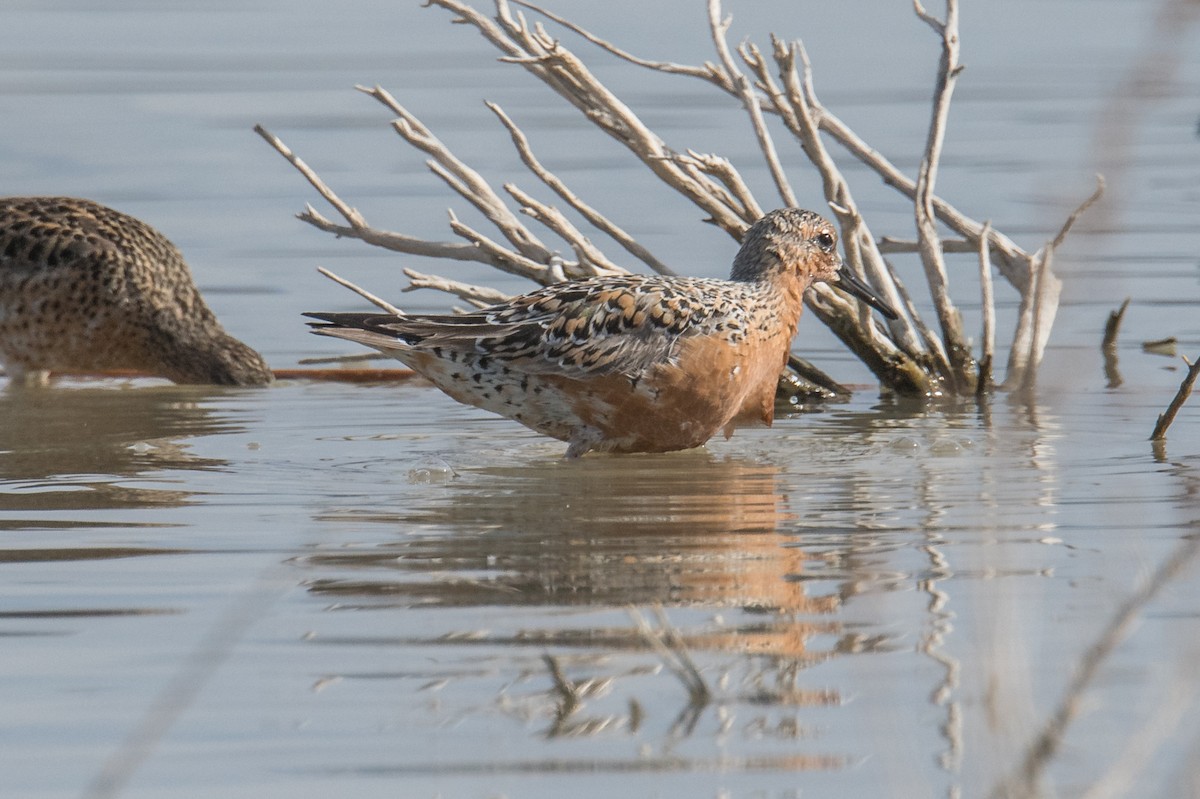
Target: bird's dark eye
x=825, y=241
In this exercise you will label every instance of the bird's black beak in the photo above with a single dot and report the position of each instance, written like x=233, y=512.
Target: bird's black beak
x=849, y=283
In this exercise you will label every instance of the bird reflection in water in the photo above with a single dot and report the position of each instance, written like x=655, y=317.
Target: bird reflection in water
x=687, y=529
x=80, y=449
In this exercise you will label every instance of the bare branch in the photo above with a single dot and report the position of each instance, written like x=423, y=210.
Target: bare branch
x=719, y=28
x=889, y=245
x=1039, y=305
x=395, y=241
x=563, y=72
x=481, y=296
x=360, y=291
x=1083, y=206
x=927, y=236
x=504, y=259
x=1113, y=326
x=709, y=72
x=988, y=304
x=724, y=170
x=857, y=240
x=938, y=26
x=465, y=181
x=592, y=261
x=1108, y=346
x=358, y=228
x=1185, y=390
x=351, y=215
x=906, y=354
x=594, y=217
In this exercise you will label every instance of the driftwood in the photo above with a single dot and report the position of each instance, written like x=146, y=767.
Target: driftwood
x=1185, y=390
x=775, y=90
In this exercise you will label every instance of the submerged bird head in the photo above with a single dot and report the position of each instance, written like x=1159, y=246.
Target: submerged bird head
x=793, y=248
x=216, y=358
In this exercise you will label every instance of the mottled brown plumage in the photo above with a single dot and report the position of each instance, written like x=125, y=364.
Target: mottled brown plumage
x=86, y=288
x=631, y=363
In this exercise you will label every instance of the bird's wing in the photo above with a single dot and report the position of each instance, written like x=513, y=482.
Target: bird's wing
x=600, y=326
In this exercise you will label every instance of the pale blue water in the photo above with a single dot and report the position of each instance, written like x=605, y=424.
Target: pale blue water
x=349, y=590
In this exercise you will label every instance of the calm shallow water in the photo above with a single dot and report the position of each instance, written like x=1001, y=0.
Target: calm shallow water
x=353, y=590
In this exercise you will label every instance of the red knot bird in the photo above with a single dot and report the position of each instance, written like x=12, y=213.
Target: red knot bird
x=84, y=288
x=632, y=363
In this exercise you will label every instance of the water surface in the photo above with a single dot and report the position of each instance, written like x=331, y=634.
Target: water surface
x=320, y=589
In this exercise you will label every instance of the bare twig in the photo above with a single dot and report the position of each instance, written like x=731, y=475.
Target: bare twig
x=724, y=170
x=591, y=260
x=366, y=295
x=1091, y=200
x=566, y=690
x=501, y=257
x=358, y=227
x=351, y=215
x=707, y=72
x=1039, y=304
x=1109, y=345
x=988, y=304
x=957, y=350
x=566, y=74
x=1043, y=294
x=1012, y=260
x=1185, y=390
x=476, y=295
x=594, y=217
x=889, y=245
x=817, y=377
x=719, y=28
x=465, y=181
x=1161, y=346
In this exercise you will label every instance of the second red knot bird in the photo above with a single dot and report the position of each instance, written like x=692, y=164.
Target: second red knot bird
x=631, y=363
x=84, y=288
